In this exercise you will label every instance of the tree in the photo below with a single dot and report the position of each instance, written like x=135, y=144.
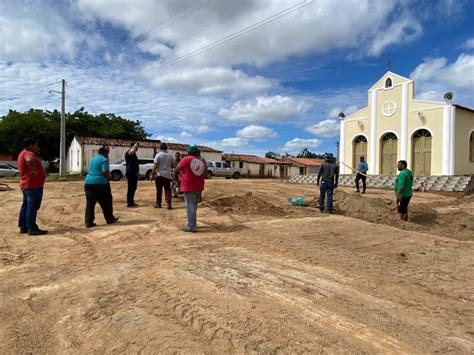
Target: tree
x=272, y=155
x=44, y=126
x=305, y=153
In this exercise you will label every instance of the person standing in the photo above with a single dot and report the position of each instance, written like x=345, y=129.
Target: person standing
x=403, y=189
x=362, y=169
x=162, y=174
x=97, y=189
x=131, y=172
x=32, y=178
x=328, y=174
x=192, y=170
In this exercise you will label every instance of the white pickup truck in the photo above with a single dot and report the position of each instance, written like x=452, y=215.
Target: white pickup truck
x=221, y=169
x=117, y=170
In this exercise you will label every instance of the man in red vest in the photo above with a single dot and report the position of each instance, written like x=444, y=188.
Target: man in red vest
x=32, y=177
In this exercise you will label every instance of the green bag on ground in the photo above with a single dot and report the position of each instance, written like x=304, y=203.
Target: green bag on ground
x=297, y=201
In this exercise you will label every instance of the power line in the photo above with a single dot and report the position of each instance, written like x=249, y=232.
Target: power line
x=177, y=20
x=225, y=39
x=17, y=94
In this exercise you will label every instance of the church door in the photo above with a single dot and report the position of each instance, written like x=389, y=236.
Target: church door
x=388, y=154
x=422, y=152
x=360, y=149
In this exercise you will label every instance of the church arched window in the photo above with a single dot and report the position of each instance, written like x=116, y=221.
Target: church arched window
x=388, y=83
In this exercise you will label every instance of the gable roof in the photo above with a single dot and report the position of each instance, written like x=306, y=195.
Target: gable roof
x=305, y=161
x=145, y=143
x=248, y=158
x=381, y=81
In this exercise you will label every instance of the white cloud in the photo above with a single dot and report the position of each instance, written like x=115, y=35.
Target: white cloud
x=185, y=134
x=275, y=108
x=326, y=128
x=31, y=31
x=165, y=139
x=297, y=144
x=334, y=112
x=256, y=132
x=455, y=76
x=212, y=81
x=469, y=44
x=403, y=30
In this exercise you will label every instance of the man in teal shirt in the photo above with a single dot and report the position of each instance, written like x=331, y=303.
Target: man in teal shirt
x=97, y=188
x=403, y=189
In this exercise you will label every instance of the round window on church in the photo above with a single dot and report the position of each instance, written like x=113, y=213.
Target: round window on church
x=389, y=108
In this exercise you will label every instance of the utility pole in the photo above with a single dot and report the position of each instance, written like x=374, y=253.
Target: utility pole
x=62, y=132
x=337, y=150
x=62, y=144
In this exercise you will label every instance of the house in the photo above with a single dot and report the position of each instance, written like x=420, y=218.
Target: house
x=82, y=149
x=303, y=166
x=434, y=137
x=254, y=166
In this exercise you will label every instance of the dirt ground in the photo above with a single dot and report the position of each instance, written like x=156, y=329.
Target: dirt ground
x=260, y=276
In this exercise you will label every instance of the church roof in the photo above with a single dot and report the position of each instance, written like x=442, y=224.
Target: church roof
x=381, y=81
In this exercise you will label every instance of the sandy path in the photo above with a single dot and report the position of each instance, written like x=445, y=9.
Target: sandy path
x=260, y=276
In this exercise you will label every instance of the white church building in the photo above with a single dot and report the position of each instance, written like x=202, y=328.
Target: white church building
x=434, y=137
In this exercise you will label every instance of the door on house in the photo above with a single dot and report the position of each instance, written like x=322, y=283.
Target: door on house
x=261, y=170
x=388, y=154
x=360, y=150
x=282, y=171
x=421, y=152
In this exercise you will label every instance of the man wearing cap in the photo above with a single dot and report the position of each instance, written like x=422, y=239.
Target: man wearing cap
x=328, y=174
x=191, y=170
x=97, y=188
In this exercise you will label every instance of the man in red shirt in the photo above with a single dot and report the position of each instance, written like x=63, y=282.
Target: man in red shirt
x=191, y=170
x=32, y=177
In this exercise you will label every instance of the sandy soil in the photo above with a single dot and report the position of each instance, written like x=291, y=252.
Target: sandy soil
x=260, y=276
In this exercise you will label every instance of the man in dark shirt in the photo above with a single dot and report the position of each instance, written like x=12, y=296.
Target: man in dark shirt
x=131, y=160
x=328, y=175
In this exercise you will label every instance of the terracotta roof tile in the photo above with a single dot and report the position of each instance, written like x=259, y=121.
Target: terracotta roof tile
x=249, y=159
x=305, y=161
x=146, y=143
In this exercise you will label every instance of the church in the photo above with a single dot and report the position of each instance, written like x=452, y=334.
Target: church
x=434, y=137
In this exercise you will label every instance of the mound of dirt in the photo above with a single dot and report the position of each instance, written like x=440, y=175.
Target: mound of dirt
x=422, y=217
x=245, y=205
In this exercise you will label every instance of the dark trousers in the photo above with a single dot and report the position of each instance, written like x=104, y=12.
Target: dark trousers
x=163, y=183
x=29, y=208
x=363, y=178
x=132, y=182
x=326, y=187
x=102, y=194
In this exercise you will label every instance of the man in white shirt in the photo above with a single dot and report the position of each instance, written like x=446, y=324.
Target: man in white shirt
x=162, y=175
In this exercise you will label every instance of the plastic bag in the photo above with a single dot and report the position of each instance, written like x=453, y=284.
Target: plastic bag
x=297, y=201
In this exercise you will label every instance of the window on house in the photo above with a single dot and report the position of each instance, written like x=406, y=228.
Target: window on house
x=241, y=164
x=388, y=83
x=471, y=147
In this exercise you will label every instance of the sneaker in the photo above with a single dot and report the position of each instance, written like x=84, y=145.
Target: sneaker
x=23, y=231
x=189, y=230
x=169, y=207
x=357, y=191
x=132, y=206
x=114, y=220
x=38, y=232
x=363, y=192
x=157, y=205
x=90, y=225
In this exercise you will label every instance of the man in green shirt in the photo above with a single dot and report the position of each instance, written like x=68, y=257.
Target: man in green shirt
x=403, y=189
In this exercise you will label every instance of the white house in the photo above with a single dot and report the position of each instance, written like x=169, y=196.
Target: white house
x=82, y=149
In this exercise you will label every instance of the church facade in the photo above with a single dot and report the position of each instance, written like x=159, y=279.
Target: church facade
x=435, y=138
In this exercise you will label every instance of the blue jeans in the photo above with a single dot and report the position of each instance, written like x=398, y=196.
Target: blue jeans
x=191, y=199
x=29, y=209
x=326, y=187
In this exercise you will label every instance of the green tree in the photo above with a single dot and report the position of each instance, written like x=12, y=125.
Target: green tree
x=305, y=153
x=272, y=155
x=44, y=126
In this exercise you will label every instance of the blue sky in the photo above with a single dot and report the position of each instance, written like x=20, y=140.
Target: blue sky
x=242, y=76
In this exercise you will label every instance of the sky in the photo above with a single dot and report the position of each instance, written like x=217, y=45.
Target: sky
x=243, y=76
